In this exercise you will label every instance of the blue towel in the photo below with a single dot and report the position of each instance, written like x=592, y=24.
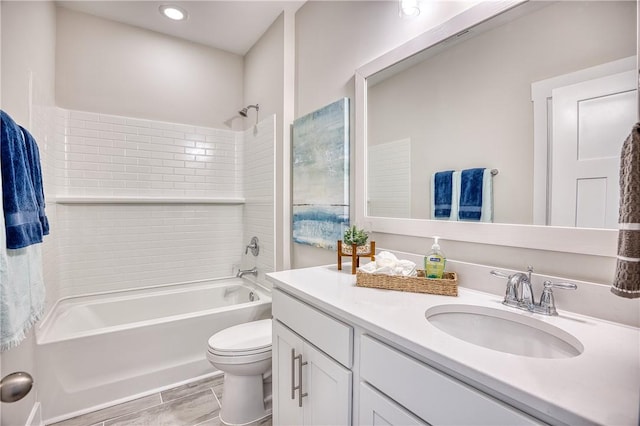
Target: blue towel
x=33, y=159
x=471, y=183
x=442, y=194
x=22, y=213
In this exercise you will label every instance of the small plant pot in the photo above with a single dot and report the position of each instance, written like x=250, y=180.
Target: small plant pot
x=355, y=252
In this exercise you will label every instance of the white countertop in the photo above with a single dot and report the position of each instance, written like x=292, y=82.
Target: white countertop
x=599, y=386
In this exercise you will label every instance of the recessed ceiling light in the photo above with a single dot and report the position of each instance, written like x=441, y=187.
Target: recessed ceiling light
x=173, y=12
x=409, y=8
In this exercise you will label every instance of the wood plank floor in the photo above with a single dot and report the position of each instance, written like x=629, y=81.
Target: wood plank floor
x=194, y=404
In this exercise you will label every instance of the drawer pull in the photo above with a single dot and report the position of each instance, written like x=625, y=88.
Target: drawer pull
x=293, y=374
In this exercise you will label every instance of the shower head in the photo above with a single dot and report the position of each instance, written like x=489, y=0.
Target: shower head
x=243, y=111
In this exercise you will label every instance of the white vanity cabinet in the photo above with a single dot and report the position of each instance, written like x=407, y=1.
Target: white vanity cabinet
x=373, y=358
x=312, y=354
x=377, y=409
x=430, y=394
x=314, y=372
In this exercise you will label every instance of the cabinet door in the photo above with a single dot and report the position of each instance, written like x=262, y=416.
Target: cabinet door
x=285, y=372
x=376, y=410
x=328, y=388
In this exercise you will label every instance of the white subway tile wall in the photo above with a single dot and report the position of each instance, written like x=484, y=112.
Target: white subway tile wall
x=107, y=155
x=258, y=189
x=115, y=247
x=103, y=247
x=42, y=127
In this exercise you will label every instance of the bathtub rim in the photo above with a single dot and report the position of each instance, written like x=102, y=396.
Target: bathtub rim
x=43, y=326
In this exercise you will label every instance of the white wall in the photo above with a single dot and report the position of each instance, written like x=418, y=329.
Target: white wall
x=138, y=84
x=104, y=66
x=259, y=143
x=111, y=246
x=333, y=39
x=264, y=84
x=104, y=154
x=28, y=61
x=121, y=139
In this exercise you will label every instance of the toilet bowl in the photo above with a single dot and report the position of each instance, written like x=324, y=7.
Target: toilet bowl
x=243, y=354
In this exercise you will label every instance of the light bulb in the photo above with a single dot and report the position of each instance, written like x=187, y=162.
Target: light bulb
x=409, y=8
x=173, y=12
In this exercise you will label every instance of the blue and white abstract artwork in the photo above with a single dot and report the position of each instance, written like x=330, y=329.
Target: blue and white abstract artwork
x=321, y=175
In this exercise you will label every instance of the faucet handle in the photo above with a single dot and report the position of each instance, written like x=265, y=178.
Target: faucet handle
x=500, y=274
x=547, y=304
x=567, y=286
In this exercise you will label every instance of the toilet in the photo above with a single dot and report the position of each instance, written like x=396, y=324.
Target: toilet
x=243, y=353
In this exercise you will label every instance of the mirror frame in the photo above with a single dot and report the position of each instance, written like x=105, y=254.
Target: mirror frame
x=598, y=242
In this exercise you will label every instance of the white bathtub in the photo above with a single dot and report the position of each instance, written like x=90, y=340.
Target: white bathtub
x=94, y=351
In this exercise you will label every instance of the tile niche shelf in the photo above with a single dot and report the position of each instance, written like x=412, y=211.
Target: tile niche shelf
x=145, y=200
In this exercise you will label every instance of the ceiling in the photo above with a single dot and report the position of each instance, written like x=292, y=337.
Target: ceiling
x=232, y=25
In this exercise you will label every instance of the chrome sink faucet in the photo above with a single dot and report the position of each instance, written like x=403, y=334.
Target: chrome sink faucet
x=519, y=292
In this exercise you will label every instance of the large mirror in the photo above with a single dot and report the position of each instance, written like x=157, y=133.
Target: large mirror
x=541, y=93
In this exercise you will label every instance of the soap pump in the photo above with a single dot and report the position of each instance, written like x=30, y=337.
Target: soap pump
x=434, y=262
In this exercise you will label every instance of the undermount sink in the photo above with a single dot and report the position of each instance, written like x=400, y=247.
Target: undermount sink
x=504, y=331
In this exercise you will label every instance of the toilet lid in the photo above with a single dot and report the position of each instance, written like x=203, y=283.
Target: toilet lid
x=250, y=337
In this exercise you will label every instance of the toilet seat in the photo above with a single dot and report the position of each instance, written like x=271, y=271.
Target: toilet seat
x=243, y=354
x=215, y=358
x=252, y=339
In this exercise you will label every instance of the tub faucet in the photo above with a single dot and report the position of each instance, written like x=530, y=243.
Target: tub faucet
x=243, y=272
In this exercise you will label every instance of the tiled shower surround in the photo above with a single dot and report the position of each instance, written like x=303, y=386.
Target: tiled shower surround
x=151, y=215
x=111, y=155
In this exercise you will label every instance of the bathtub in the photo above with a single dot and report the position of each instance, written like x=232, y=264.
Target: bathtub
x=102, y=349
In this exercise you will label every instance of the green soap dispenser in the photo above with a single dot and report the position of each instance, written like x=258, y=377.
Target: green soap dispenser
x=434, y=262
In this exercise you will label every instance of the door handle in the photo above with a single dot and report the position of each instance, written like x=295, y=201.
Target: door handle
x=15, y=386
x=301, y=395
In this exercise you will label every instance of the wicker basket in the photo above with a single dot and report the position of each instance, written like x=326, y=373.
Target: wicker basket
x=447, y=285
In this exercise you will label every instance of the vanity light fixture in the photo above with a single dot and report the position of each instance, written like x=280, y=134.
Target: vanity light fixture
x=173, y=12
x=409, y=8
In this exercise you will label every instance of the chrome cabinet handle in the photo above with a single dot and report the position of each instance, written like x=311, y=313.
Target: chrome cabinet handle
x=298, y=388
x=293, y=373
x=300, y=394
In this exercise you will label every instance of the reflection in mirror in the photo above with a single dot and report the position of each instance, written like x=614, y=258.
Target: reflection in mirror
x=544, y=93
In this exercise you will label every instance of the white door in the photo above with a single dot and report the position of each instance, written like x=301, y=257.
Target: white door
x=324, y=397
x=285, y=372
x=328, y=388
x=590, y=122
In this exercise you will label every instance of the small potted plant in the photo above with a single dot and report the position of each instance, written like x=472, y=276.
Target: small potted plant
x=355, y=244
x=356, y=236
x=359, y=237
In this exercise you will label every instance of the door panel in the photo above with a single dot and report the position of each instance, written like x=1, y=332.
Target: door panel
x=285, y=408
x=591, y=119
x=328, y=385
